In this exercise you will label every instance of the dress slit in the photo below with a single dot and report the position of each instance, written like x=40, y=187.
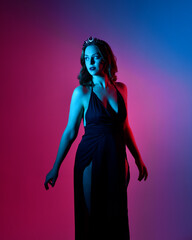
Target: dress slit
x=87, y=180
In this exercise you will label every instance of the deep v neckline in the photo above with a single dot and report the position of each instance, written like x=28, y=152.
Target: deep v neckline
x=108, y=104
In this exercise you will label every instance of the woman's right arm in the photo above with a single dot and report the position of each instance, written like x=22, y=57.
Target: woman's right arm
x=69, y=134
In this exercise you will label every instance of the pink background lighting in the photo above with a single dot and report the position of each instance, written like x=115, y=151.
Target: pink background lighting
x=40, y=59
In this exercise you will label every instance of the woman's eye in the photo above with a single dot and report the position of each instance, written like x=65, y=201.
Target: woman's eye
x=96, y=57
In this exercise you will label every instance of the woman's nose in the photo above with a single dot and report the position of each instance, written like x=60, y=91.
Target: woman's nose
x=92, y=61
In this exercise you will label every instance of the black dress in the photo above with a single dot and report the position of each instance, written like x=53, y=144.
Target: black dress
x=103, y=146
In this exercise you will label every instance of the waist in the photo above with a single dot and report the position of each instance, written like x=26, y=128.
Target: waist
x=97, y=129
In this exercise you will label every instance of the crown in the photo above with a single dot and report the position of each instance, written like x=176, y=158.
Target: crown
x=89, y=40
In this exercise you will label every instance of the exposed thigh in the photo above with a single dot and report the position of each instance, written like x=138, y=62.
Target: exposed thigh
x=87, y=174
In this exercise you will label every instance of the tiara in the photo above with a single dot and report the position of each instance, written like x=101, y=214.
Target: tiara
x=89, y=40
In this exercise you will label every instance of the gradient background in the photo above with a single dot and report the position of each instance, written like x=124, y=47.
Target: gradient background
x=40, y=59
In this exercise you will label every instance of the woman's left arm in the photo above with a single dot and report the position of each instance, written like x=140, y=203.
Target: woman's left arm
x=132, y=146
x=131, y=143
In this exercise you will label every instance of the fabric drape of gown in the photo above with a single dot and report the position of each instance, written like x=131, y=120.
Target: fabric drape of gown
x=103, y=148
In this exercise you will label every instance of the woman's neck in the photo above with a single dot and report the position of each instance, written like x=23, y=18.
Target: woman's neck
x=101, y=81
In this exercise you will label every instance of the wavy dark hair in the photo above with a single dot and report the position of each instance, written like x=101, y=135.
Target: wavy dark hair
x=110, y=66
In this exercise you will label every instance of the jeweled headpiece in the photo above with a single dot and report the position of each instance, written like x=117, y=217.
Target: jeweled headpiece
x=89, y=40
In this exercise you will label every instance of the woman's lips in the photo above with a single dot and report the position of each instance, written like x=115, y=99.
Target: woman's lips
x=92, y=68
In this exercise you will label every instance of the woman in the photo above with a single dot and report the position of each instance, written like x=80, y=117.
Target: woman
x=101, y=170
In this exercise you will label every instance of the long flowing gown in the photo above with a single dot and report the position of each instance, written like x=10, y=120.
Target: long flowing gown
x=101, y=174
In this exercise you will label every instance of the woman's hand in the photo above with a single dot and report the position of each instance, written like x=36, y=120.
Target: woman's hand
x=142, y=169
x=51, y=178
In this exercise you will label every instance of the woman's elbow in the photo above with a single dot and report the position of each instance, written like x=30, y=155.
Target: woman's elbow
x=70, y=134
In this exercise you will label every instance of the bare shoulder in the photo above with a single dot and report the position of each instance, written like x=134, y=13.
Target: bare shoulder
x=81, y=95
x=121, y=86
x=80, y=91
x=122, y=89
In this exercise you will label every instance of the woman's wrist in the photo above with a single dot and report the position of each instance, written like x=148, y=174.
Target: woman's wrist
x=138, y=158
x=56, y=168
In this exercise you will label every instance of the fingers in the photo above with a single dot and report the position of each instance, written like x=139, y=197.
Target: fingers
x=46, y=186
x=143, y=173
x=146, y=174
x=140, y=175
x=51, y=182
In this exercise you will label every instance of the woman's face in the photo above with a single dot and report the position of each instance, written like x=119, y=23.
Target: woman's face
x=93, y=60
